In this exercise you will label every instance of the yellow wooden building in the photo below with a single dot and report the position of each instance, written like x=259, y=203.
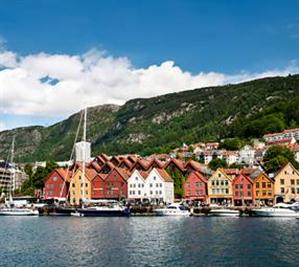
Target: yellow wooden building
x=220, y=188
x=80, y=188
x=263, y=189
x=287, y=184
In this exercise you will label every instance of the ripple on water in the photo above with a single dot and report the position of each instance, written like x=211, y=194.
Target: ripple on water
x=148, y=241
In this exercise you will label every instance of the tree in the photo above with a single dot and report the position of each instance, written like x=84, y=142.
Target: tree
x=278, y=156
x=232, y=144
x=217, y=163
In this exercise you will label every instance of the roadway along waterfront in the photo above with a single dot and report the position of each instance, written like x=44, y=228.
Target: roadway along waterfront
x=148, y=241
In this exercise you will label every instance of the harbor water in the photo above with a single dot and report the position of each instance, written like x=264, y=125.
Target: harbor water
x=148, y=241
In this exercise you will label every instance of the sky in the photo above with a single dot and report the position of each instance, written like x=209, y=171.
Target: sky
x=58, y=56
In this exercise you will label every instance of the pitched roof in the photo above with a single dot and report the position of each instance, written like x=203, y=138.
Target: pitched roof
x=164, y=175
x=195, y=165
x=243, y=175
x=284, y=166
x=177, y=162
x=199, y=176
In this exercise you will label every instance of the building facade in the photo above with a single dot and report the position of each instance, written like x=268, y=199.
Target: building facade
x=263, y=189
x=220, y=188
x=195, y=187
x=287, y=184
x=242, y=190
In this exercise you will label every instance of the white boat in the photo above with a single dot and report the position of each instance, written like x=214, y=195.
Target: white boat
x=18, y=212
x=223, y=212
x=175, y=209
x=278, y=210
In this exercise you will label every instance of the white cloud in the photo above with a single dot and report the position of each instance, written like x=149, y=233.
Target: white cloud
x=95, y=78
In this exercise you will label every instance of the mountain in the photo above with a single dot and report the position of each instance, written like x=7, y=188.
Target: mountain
x=161, y=123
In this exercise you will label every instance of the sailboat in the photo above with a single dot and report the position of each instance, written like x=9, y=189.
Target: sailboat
x=97, y=208
x=10, y=209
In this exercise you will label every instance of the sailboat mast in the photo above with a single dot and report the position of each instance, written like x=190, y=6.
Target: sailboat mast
x=84, y=153
x=11, y=162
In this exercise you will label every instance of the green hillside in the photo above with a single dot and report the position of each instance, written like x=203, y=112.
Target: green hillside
x=160, y=123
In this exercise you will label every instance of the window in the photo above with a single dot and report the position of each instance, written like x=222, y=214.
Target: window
x=161, y=185
x=236, y=186
x=130, y=185
x=142, y=185
x=292, y=181
x=157, y=185
x=257, y=193
x=197, y=184
x=139, y=192
x=219, y=175
x=154, y=178
x=241, y=186
x=226, y=191
x=249, y=193
x=151, y=185
x=213, y=182
x=138, y=185
x=222, y=183
x=264, y=193
x=281, y=181
x=157, y=192
x=263, y=184
x=160, y=192
x=269, y=193
x=257, y=185
x=236, y=193
x=136, y=178
x=249, y=186
x=293, y=190
x=269, y=185
x=297, y=190
x=151, y=192
x=297, y=181
x=226, y=182
x=282, y=190
x=217, y=182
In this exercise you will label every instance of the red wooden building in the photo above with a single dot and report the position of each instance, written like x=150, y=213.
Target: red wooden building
x=98, y=186
x=116, y=184
x=195, y=187
x=242, y=190
x=56, y=184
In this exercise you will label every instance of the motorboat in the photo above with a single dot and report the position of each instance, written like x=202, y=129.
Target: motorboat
x=175, y=209
x=278, y=210
x=18, y=212
x=224, y=212
x=102, y=208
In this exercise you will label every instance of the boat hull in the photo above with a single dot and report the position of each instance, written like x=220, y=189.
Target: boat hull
x=18, y=212
x=275, y=213
x=224, y=213
x=101, y=213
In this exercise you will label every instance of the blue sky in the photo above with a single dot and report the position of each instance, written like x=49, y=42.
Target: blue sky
x=227, y=37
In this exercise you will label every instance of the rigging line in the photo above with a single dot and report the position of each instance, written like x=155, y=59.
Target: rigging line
x=72, y=154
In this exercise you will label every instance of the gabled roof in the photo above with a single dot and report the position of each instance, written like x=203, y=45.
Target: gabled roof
x=94, y=164
x=223, y=172
x=122, y=172
x=230, y=171
x=244, y=176
x=89, y=172
x=164, y=175
x=195, y=165
x=101, y=175
x=291, y=130
x=286, y=165
x=199, y=176
x=62, y=172
x=156, y=162
x=178, y=163
x=126, y=162
x=132, y=158
x=108, y=164
x=263, y=174
x=144, y=164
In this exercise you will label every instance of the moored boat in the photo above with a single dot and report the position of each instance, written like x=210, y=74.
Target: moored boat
x=102, y=208
x=175, y=209
x=278, y=210
x=18, y=212
x=224, y=212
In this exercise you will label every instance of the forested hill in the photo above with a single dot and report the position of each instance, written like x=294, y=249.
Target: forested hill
x=160, y=123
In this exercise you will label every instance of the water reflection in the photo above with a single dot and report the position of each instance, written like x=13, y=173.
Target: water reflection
x=148, y=241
